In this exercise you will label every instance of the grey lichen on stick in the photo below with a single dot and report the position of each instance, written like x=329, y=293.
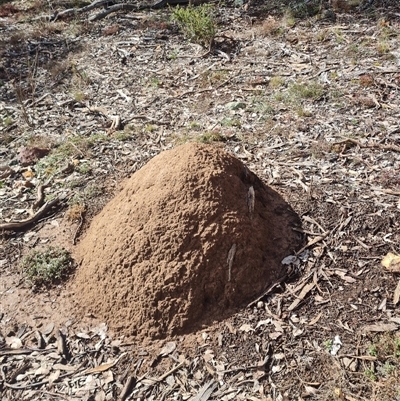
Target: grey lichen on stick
x=231, y=256
x=251, y=197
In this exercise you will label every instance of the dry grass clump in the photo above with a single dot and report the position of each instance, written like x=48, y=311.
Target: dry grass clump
x=8, y=9
x=270, y=27
x=366, y=80
x=75, y=212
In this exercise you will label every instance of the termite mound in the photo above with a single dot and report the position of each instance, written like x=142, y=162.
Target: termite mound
x=193, y=236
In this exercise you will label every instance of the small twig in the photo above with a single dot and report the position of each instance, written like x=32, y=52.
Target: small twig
x=362, y=357
x=113, y=9
x=251, y=367
x=59, y=395
x=23, y=351
x=78, y=228
x=370, y=145
x=127, y=389
x=40, y=198
x=313, y=242
x=152, y=381
x=38, y=384
x=208, y=89
x=386, y=191
x=16, y=225
x=268, y=290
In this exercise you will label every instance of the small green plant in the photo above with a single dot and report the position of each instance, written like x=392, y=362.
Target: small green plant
x=194, y=125
x=93, y=191
x=155, y=82
x=231, y=122
x=328, y=345
x=384, y=346
x=150, y=127
x=388, y=369
x=370, y=374
x=310, y=90
x=397, y=347
x=72, y=146
x=173, y=55
x=84, y=168
x=280, y=96
x=124, y=135
x=79, y=96
x=8, y=121
x=276, y=82
x=302, y=112
x=383, y=48
x=297, y=92
x=209, y=137
x=304, y=9
x=288, y=19
x=196, y=23
x=372, y=350
x=262, y=106
x=339, y=35
x=47, y=266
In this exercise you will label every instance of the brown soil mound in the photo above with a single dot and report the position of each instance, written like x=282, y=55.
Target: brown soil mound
x=192, y=236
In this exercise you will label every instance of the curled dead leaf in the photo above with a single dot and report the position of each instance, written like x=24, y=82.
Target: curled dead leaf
x=396, y=295
x=168, y=348
x=391, y=262
x=380, y=327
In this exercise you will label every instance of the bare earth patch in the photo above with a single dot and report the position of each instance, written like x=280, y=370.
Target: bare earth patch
x=309, y=104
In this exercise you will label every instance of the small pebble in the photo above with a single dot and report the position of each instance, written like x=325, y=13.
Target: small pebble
x=260, y=304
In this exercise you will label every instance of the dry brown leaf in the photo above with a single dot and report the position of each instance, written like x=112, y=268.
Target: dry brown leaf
x=246, y=328
x=315, y=320
x=42, y=371
x=168, y=348
x=310, y=390
x=344, y=277
x=231, y=329
x=350, y=398
x=396, y=295
x=339, y=393
x=48, y=329
x=54, y=376
x=307, y=288
x=379, y=328
x=275, y=335
x=67, y=368
x=98, y=369
x=100, y=396
x=208, y=355
x=392, y=262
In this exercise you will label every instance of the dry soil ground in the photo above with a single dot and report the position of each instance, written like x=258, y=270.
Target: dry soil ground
x=309, y=103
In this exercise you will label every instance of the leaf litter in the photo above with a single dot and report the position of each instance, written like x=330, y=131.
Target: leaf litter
x=334, y=159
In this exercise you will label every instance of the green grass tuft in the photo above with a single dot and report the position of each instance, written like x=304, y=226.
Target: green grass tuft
x=46, y=267
x=196, y=23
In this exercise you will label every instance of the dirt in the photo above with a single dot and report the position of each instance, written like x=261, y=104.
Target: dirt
x=182, y=245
